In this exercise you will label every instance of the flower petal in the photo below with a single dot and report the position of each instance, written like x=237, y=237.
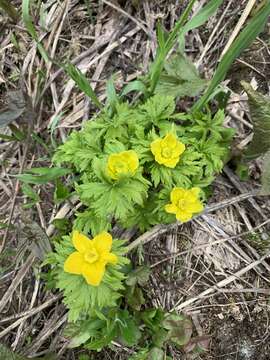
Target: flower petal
x=132, y=159
x=93, y=273
x=171, y=163
x=171, y=208
x=156, y=147
x=183, y=216
x=179, y=149
x=195, y=191
x=195, y=207
x=170, y=140
x=81, y=242
x=103, y=242
x=74, y=263
x=177, y=194
x=110, y=258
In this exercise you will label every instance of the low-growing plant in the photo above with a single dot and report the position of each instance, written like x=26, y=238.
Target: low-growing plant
x=137, y=163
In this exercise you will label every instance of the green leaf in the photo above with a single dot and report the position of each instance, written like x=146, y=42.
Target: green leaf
x=30, y=193
x=244, y=39
x=155, y=354
x=112, y=97
x=82, y=83
x=138, y=276
x=136, y=85
x=86, y=330
x=259, y=106
x=180, y=328
x=61, y=192
x=197, y=20
x=42, y=175
x=27, y=19
x=265, y=180
x=130, y=331
x=79, y=297
x=165, y=47
x=180, y=78
x=134, y=297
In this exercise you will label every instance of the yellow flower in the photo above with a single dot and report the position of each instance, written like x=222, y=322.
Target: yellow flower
x=123, y=163
x=184, y=203
x=167, y=150
x=91, y=257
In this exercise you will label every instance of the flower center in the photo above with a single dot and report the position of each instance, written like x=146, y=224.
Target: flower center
x=167, y=152
x=182, y=204
x=91, y=256
x=121, y=167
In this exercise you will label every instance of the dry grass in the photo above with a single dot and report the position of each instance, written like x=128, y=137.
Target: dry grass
x=212, y=268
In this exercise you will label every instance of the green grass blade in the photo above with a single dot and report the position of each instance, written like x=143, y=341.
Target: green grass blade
x=27, y=19
x=199, y=19
x=82, y=83
x=244, y=39
x=9, y=9
x=42, y=175
x=165, y=47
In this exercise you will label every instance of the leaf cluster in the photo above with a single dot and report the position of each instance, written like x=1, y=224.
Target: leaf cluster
x=139, y=200
x=80, y=298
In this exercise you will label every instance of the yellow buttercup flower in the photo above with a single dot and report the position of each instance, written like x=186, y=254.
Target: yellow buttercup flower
x=167, y=150
x=123, y=163
x=184, y=203
x=91, y=257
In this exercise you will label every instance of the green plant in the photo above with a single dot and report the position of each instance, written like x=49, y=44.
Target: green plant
x=138, y=163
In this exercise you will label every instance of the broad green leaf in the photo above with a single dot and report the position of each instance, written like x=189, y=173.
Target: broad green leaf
x=244, y=40
x=180, y=78
x=130, y=331
x=138, y=276
x=61, y=192
x=199, y=19
x=136, y=85
x=265, y=180
x=259, y=106
x=82, y=83
x=42, y=175
x=135, y=298
x=180, y=328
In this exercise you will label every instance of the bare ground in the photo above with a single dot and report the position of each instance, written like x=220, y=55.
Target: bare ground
x=214, y=269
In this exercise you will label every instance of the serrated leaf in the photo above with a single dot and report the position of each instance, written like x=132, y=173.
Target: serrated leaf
x=61, y=192
x=259, y=106
x=139, y=276
x=180, y=328
x=180, y=78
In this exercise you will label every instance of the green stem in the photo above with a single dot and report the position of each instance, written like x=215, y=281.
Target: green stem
x=9, y=9
x=161, y=57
